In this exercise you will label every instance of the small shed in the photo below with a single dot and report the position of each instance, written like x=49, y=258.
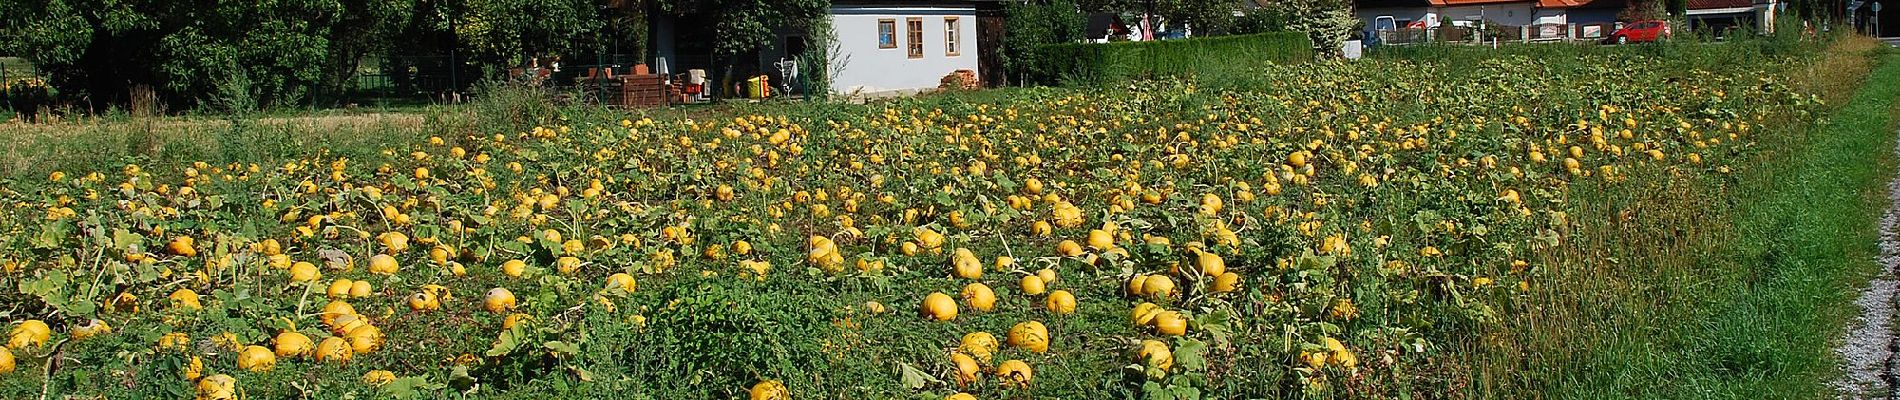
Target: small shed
x=1104, y=26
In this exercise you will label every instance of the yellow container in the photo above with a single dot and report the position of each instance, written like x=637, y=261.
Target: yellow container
x=757, y=87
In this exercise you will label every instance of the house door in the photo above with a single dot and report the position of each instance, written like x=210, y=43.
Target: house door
x=989, y=44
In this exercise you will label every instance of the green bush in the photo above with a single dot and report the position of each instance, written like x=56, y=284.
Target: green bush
x=1210, y=57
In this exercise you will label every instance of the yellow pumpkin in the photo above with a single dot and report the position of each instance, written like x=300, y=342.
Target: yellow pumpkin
x=1158, y=286
x=304, y=272
x=182, y=246
x=1170, y=323
x=383, y=264
x=1015, y=373
x=32, y=333
x=980, y=345
x=1030, y=335
x=217, y=387
x=339, y=289
x=292, y=344
x=6, y=361
x=622, y=281
x=979, y=296
x=567, y=264
x=364, y=339
x=92, y=328
x=256, y=359
x=424, y=301
x=185, y=299
x=1210, y=263
x=396, y=242
x=515, y=319
x=960, y=396
x=1048, y=276
x=1069, y=248
x=498, y=300
x=1227, y=282
x=361, y=289
x=1135, y=285
x=173, y=341
x=769, y=390
x=270, y=247
x=1155, y=354
x=939, y=306
x=346, y=323
x=378, y=378
x=1061, y=302
x=194, y=368
x=334, y=309
x=966, y=265
x=968, y=371
x=334, y=349
x=514, y=268
x=1314, y=359
x=1101, y=239
x=1032, y=285
x=1144, y=313
x=441, y=254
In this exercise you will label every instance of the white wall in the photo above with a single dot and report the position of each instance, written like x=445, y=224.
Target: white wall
x=1397, y=14
x=1557, y=16
x=868, y=69
x=1517, y=14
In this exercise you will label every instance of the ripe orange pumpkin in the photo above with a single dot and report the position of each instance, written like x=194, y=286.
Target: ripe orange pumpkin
x=769, y=390
x=1170, y=323
x=256, y=359
x=979, y=296
x=966, y=265
x=1015, y=373
x=1030, y=335
x=939, y=306
x=1061, y=302
x=498, y=300
x=292, y=344
x=968, y=371
x=980, y=345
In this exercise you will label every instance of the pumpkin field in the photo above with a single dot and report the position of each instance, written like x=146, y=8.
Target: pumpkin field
x=1384, y=228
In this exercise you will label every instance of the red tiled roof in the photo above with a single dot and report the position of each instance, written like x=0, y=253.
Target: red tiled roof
x=1711, y=4
x=1474, y=2
x=1560, y=3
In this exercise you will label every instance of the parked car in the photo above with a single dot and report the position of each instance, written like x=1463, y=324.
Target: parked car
x=1640, y=31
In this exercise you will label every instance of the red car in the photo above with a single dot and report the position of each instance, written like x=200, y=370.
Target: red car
x=1640, y=31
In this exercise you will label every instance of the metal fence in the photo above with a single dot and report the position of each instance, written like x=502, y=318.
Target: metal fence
x=1494, y=32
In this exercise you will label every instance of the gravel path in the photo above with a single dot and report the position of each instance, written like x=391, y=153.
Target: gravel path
x=1868, y=348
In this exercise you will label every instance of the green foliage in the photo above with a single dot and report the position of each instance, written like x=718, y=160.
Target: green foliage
x=735, y=331
x=1033, y=25
x=1328, y=22
x=504, y=33
x=1204, y=16
x=744, y=25
x=1207, y=58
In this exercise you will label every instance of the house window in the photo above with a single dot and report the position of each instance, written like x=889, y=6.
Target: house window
x=914, y=37
x=887, y=34
x=952, y=38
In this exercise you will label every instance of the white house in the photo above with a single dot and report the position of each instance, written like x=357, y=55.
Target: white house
x=901, y=46
x=883, y=47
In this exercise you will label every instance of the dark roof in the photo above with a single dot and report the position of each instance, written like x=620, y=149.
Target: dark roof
x=1591, y=4
x=1711, y=4
x=1391, y=3
x=1100, y=23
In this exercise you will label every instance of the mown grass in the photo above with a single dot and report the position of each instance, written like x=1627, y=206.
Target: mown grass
x=1718, y=288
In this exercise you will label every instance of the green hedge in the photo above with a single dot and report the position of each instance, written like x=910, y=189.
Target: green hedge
x=1091, y=63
